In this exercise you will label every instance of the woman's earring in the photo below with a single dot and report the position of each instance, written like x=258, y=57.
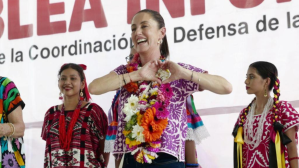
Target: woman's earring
x=81, y=95
x=60, y=96
x=265, y=95
x=160, y=41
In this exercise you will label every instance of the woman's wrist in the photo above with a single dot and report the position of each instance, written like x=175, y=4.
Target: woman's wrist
x=134, y=76
x=193, y=76
x=12, y=129
x=6, y=129
x=188, y=75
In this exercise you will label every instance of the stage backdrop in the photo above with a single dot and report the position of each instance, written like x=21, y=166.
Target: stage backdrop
x=222, y=37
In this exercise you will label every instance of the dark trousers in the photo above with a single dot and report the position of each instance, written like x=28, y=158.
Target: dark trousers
x=163, y=161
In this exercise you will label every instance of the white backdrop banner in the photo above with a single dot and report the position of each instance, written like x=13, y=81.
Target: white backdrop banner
x=223, y=37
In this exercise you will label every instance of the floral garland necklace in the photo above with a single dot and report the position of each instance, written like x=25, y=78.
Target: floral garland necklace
x=146, y=113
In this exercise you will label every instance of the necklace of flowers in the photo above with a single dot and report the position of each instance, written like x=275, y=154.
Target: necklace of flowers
x=146, y=113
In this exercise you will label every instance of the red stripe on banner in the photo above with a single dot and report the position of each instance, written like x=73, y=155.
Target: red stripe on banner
x=246, y=3
x=1, y=20
x=198, y=7
x=281, y=1
x=15, y=29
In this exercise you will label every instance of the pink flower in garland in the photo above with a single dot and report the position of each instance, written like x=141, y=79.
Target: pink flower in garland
x=160, y=96
x=161, y=111
x=166, y=91
x=142, y=102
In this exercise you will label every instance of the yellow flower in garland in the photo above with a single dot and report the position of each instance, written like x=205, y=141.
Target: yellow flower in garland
x=126, y=132
x=139, y=157
x=139, y=117
x=152, y=102
x=132, y=143
x=155, y=145
x=154, y=91
x=144, y=100
x=144, y=97
x=143, y=156
x=151, y=157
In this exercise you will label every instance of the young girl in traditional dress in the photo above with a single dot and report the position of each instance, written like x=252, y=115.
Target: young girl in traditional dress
x=75, y=130
x=266, y=130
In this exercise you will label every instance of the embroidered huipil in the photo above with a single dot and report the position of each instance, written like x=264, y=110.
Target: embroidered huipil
x=89, y=131
x=259, y=157
x=173, y=137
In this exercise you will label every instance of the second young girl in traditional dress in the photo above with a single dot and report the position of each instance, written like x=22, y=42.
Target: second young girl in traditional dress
x=266, y=130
